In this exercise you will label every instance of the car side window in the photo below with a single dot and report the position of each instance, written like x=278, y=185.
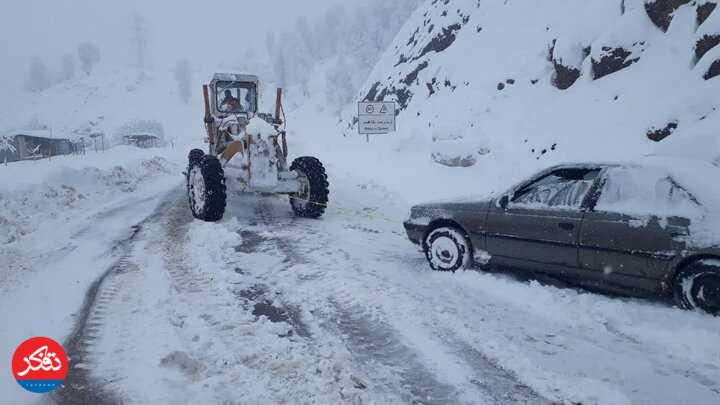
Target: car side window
x=561, y=189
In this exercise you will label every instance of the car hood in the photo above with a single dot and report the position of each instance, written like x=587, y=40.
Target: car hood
x=423, y=214
x=470, y=198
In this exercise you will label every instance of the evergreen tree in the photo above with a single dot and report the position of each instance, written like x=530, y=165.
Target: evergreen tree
x=38, y=76
x=140, y=41
x=67, y=68
x=183, y=77
x=89, y=55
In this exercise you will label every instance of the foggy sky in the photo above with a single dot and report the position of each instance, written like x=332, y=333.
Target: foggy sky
x=204, y=31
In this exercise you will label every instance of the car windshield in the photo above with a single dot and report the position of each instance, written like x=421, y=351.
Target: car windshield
x=646, y=191
x=236, y=97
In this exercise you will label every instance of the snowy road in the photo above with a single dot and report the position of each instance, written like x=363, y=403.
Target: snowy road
x=267, y=308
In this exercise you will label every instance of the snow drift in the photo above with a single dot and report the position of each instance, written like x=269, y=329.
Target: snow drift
x=67, y=188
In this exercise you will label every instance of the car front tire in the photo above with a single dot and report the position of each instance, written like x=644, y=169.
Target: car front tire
x=697, y=287
x=447, y=249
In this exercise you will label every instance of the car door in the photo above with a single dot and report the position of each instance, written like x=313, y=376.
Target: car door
x=633, y=232
x=540, y=224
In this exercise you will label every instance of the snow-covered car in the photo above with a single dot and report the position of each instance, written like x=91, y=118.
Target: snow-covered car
x=639, y=229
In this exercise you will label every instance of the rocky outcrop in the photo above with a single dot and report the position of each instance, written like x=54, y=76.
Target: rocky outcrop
x=444, y=159
x=704, y=10
x=704, y=44
x=658, y=135
x=565, y=76
x=567, y=62
x=661, y=11
x=413, y=56
x=713, y=71
x=613, y=60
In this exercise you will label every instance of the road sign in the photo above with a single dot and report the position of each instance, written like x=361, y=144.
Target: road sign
x=376, y=118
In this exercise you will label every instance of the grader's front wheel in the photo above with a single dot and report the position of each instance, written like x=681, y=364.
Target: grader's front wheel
x=206, y=188
x=312, y=199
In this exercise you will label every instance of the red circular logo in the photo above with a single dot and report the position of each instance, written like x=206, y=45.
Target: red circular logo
x=40, y=365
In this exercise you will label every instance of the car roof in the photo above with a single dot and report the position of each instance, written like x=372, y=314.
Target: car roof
x=691, y=173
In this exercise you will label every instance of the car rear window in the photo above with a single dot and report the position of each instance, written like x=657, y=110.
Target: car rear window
x=646, y=191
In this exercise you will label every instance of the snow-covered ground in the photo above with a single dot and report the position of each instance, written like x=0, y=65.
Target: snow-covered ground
x=101, y=252
x=60, y=220
x=267, y=308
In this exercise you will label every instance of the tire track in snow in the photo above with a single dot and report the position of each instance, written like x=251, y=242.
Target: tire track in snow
x=376, y=346
x=374, y=343
x=312, y=374
x=497, y=384
x=371, y=336
x=80, y=387
x=493, y=383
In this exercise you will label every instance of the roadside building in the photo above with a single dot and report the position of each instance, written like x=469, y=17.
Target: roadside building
x=142, y=140
x=36, y=144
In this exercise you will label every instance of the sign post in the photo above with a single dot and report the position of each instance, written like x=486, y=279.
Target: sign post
x=376, y=118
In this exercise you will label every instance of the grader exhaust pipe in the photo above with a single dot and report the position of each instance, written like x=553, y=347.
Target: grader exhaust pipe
x=278, y=111
x=209, y=120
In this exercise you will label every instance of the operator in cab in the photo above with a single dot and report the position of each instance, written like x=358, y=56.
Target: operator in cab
x=230, y=103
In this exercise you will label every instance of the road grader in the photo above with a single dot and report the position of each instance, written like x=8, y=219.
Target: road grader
x=248, y=152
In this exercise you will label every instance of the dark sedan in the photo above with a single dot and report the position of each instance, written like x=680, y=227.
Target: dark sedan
x=633, y=229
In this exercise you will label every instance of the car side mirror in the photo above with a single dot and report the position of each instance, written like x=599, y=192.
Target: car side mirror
x=504, y=202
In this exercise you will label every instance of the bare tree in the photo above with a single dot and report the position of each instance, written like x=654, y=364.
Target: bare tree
x=38, y=76
x=183, y=76
x=7, y=146
x=341, y=87
x=89, y=55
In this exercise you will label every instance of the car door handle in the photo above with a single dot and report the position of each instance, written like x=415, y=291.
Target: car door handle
x=566, y=226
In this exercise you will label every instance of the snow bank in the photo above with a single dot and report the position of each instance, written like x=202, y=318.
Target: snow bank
x=33, y=192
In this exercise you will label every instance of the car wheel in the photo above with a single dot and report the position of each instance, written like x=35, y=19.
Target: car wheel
x=447, y=249
x=697, y=287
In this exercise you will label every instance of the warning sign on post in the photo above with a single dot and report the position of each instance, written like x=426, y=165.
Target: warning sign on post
x=376, y=118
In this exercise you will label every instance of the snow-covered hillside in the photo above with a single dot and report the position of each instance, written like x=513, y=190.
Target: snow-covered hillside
x=106, y=101
x=555, y=80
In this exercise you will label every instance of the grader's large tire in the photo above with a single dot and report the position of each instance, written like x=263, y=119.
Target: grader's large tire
x=194, y=156
x=312, y=201
x=206, y=188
